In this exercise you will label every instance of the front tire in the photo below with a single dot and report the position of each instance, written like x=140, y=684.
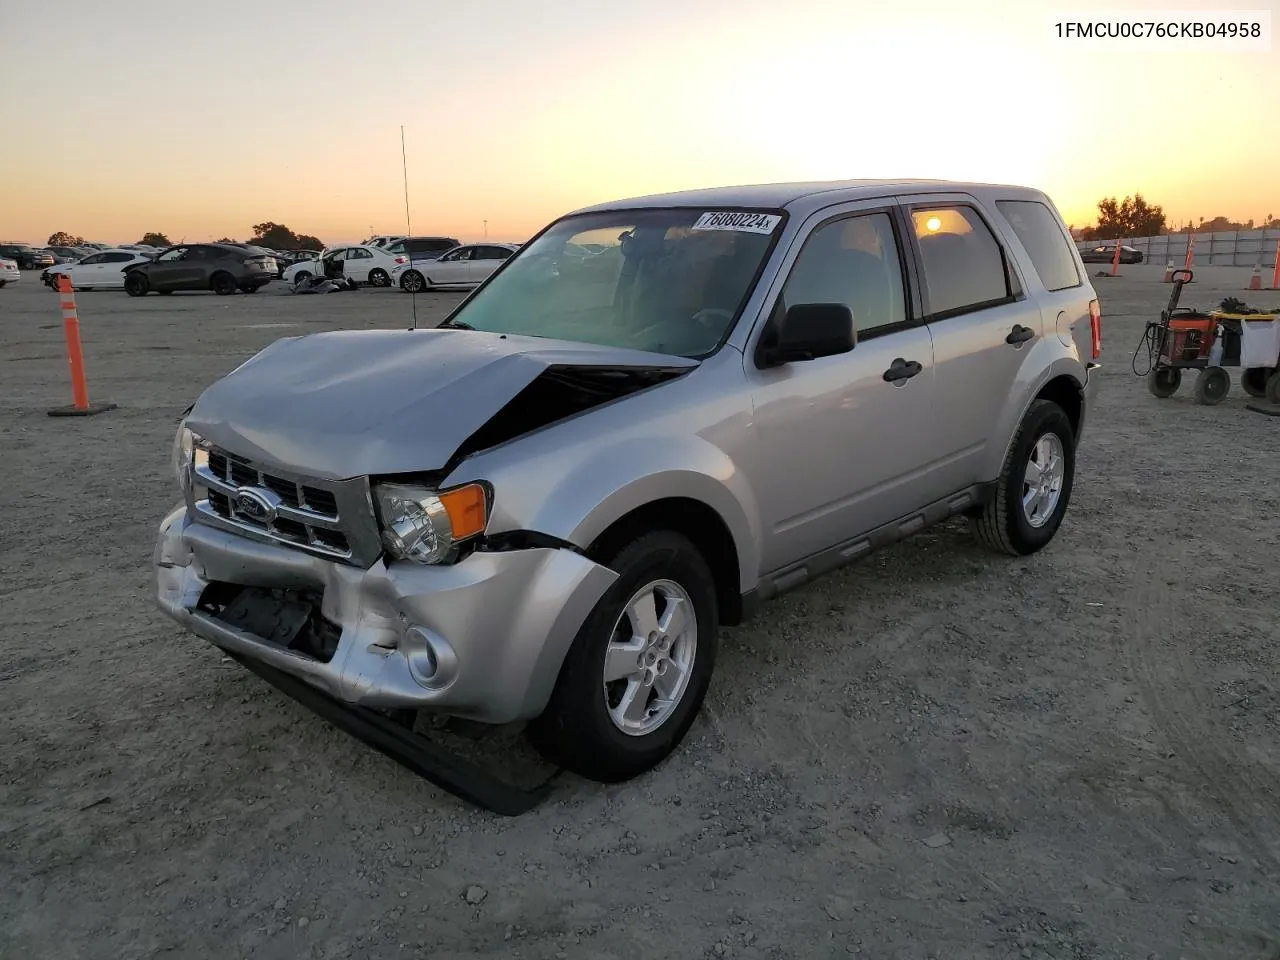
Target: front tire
x=635, y=677
x=135, y=285
x=301, y=277
x=1163, y=382
x=1034, y=488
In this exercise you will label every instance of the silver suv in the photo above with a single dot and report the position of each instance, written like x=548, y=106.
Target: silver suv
x=544, y=509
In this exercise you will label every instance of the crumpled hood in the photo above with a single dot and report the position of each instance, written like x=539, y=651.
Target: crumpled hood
x=350, y=403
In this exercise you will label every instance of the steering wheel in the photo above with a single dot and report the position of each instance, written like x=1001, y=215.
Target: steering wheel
x=706, y=315
x=706, y=318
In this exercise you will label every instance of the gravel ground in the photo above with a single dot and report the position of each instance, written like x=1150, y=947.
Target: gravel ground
x=933, y=754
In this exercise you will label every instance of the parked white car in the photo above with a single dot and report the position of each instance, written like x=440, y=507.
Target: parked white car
x=9, y=272
x=467, y=266
x=99, y=271
x=363, y=264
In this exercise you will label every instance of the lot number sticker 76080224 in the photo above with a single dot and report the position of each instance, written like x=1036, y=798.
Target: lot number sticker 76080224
x=740, y=221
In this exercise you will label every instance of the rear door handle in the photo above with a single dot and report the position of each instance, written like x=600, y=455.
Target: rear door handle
x=1019, y=334
x=902, y=370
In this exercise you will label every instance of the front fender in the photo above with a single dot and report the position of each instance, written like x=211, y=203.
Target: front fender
x=578, y=496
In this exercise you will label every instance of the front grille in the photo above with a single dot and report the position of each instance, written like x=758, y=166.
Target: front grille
x=306, y=516
x=240, y=472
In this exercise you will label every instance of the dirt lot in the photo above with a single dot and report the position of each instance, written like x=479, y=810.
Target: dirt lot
x=933, y=754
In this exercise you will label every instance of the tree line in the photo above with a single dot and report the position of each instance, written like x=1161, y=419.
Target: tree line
x=1135, y=217
x=274, y=236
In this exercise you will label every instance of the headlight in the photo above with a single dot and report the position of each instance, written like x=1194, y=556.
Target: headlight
x=425, y=525
x=183, y=445
x=189, y=451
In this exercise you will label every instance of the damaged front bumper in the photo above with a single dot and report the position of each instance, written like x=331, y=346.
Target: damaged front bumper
x=481, y=639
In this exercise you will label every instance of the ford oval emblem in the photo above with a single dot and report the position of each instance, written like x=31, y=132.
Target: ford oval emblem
x=256, y=504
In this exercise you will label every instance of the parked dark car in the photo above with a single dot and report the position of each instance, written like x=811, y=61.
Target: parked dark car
x=1105, y=253
x=26, y=256
x=223, y=268
x=67, y=254
x=422, y=248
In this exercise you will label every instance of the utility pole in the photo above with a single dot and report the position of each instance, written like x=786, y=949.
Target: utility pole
x=486, y=229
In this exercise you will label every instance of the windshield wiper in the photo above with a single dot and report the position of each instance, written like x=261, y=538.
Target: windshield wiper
x=454, y=325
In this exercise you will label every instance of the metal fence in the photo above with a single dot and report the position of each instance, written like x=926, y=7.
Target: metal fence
x=1232, y=248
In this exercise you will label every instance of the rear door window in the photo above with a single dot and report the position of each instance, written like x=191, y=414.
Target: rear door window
x=963, y=264
x=1040, y=233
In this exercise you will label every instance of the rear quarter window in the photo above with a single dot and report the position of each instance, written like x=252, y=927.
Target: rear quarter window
x=1041, y=235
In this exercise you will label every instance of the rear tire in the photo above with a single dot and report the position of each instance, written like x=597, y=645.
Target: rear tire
x=1273, y=388
x=412, y=282
x=223, y=284
x=1212, y=386
x=136, y=285
x=663, y=584
x=1163, y=382
x=1254, y=380
x=379, y=278
x=1035, y=484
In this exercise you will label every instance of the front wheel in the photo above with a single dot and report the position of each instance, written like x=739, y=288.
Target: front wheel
x=379, y=278
x=135, y=285
x=1034, y=488
x=412, y=282
x=301, y=277
x=1163, y=382
x=635, y=677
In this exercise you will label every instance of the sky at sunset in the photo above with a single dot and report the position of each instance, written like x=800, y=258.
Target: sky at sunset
x=198, y=120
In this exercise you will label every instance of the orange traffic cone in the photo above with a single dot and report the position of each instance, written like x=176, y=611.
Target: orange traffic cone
x=1168, y=272
x=1255, y=281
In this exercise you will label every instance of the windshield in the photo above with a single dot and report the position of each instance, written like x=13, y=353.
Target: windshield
x=666, y=281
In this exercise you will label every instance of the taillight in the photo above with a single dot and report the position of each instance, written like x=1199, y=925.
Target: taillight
x=402, y=259
x=1095, y=327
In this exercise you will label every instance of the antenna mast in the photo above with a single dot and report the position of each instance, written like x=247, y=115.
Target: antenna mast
x=404, y=162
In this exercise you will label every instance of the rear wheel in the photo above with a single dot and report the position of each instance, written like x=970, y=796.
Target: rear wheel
x=1034, y=488
x=1254, y=380
x=1273, y=388
x=223, y=284
x=135, y=285
x=1212, y=386
x=379, y=278
x=1163, y=382
x=635, y=677
x=412, y=281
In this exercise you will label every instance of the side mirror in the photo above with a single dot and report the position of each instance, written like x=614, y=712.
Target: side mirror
x=806, y=332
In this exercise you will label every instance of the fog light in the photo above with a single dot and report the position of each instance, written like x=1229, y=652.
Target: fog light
x=432, y=662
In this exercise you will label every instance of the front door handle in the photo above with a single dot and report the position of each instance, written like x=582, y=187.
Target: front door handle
x=1019, y=334
x=902, y=370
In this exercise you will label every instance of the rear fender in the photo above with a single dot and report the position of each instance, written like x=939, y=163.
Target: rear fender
x=1024, y=393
